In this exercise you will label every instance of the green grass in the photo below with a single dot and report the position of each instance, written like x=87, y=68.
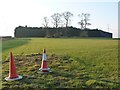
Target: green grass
x=0, y=64
x=75, y=62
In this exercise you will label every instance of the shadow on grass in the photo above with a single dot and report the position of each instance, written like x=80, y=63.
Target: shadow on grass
x=13, y=43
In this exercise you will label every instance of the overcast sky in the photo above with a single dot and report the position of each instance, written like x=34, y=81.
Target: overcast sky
x=31, y=12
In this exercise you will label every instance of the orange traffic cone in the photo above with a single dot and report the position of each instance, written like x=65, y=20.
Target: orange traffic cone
x=44, y=67
x=12, y=70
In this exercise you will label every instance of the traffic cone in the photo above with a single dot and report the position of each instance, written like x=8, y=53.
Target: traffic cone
x=44, y=67
x=12, y=70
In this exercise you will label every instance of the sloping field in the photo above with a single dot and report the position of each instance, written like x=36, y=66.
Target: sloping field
x=75, y=63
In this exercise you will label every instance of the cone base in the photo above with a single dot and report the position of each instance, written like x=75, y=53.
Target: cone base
x=13, y=79
x=44, y=70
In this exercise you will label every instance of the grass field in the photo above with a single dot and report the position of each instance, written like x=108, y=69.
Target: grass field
x=0, y=63
x=75, y=62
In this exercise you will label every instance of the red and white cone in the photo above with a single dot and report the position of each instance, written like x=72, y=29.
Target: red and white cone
x=12, y=70
x=44, y=67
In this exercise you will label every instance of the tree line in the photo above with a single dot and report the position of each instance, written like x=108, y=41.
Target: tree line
x=61, y=27
x=66, y=16
x=59, y=32
x=22, y=31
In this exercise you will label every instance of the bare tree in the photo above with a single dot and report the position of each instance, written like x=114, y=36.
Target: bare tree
x=46, y=21
x=56, y=19
x=84, y=20
x=67, y=16
x=81, y=23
